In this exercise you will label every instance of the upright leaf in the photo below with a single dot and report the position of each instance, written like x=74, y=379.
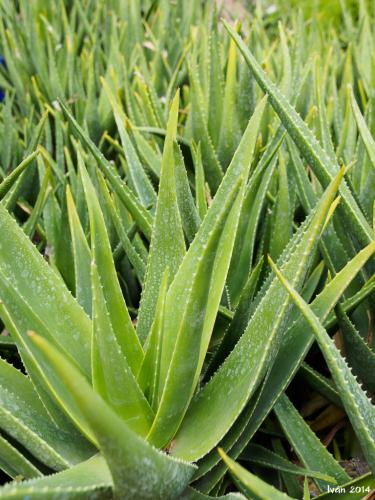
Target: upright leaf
x=82, y=256
x=112, y=377
x=194, y=295
x=237, y=378
x=305, y=140
x=43, y=295
x=356, y=403
x=138, y=177
x=137, y=469
x=102, y=254
x=167, y=246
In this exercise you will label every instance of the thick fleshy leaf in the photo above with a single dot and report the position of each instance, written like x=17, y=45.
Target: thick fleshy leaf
x=167, y=247
x=239, y=322
x=137, y=469
x=138, y=177
x=282, y=222
x=189, y=215
x=192, y=494
x=356, y=403
x=9, y=181
x=139, y=213
x=252, y=485
x=14, y=463
x=307, y=445
x=82, y=256
x=212, y=168
x=363, y=485
x=229, y=131
x=115, y=303
x=296, y=343
x=264, y=457
x=367, y=138
x=130, y=247
x=203, y=273
x=44, y=297
x=90, y=479
x=112, y=377
x=149, y=374
x=200, y=187
x=322, y=164
x=25, y=419
x=323, y=385
x=253, y=205
x=358, y=353
x=237, y=378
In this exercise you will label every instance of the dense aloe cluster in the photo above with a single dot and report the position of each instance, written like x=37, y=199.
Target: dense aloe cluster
x=187, y=291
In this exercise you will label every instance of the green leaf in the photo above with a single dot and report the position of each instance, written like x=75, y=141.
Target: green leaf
x=44, y=191
x=112, y=377
x=229, y=131
x=43, y=296
x=361, y=485
x=282, y=221
x=358, y=407
x=358, y=353
x=190, y=319
x=297, y=342
x=192, y=494
x=216, y=84
x=332, y=248
x=213, y=169
x=138, y=212
x=150, y=371
x=306, y=490
x=291, y=482
x=306, y=444
x=150, y=154
x=320, y=383
x=264, y=457
x=253, y=205
x=305, y=140
x=189, y=216
x=367, y=138
x=102, y=255
x=252, y=484
x=9, y=181
x=227, y=392
x=139, y=179
x=167, y=247
x=81, y=255
x=137, y=469
x=25, y=419
x=200, y=187
x=130, y=249
x=239, y=321
x=13, y=194
x=90, y=479
x=13, y=463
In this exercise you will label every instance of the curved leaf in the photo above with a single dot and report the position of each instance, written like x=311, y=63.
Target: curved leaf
x=138, y=470
x=356, y=403
x=43, y=293
x=216, y=406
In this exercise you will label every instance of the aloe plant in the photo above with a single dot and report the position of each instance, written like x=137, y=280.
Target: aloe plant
x=150, y=347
